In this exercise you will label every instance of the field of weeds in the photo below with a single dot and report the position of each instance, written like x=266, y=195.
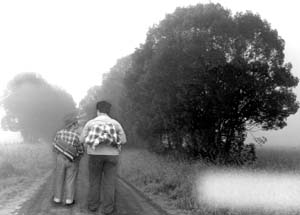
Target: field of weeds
x=173, y=183
x=19, y=162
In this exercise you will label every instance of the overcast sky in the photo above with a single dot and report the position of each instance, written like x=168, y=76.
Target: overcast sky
x=72, y=43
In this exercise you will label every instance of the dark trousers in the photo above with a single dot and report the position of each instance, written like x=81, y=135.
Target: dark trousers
x=102, y=174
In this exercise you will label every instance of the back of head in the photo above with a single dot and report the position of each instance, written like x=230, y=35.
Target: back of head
x=103, y=107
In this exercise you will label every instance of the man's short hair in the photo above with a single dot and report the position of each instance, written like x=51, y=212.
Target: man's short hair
x=103, y=107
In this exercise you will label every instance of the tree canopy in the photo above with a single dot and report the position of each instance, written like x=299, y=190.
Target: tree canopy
x=210, y=75
x=34, y=107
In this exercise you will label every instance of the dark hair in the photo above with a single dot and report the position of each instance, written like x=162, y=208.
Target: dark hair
x=103, y=107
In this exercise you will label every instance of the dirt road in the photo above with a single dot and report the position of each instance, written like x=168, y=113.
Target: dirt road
x=129, y=200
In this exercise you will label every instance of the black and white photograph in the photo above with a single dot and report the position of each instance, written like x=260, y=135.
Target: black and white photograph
x=136, y=107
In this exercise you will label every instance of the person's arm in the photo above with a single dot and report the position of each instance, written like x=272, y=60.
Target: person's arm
x=55, y=141
x=56, y=137
x=121, y=133
x=84, y=133
x=79, y=146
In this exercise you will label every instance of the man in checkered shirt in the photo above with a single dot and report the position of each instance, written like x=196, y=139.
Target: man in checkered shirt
x=66, y=171
x=70, y=137
x=103, y=160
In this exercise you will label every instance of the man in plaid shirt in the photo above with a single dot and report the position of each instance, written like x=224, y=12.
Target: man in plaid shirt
x=70, y=137
x=66, y=171
x=103, y=159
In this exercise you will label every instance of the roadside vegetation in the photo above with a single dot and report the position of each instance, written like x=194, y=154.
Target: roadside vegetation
x=161, y=176
x=171, y=182
x=21, y=162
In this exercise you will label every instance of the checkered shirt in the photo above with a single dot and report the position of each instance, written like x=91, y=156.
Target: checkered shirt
x=70, y=137
x=103, y=133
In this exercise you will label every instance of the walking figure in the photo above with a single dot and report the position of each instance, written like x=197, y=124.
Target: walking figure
x=103, y=137
x=68, y=151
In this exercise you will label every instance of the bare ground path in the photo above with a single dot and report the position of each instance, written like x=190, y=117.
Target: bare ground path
x=129, y=200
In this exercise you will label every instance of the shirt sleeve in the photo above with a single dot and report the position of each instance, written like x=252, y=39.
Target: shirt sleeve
x=121, y=133
x=57, y=136
x=55, y=141
x=84, y=132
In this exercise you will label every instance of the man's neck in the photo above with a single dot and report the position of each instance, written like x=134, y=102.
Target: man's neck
x=102, y=114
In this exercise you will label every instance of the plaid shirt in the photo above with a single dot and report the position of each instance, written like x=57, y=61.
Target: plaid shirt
x=88, y=136
x=70, y=137
x=103, y=132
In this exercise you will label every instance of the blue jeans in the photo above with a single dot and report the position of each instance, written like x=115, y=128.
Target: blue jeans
x=102, y=173
x=65, y=175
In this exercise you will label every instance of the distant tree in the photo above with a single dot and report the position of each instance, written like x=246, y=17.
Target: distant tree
x=111, y=89
x=87, y=105
x=34, y=107
x=207, y=76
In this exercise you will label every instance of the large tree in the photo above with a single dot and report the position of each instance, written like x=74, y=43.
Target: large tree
x=206, y=76
x=34, y=107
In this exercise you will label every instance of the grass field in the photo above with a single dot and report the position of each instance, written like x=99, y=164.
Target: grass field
x=173, y=183
x=19, y=161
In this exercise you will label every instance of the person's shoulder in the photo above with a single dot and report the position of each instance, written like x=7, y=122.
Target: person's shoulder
x=115, y=123
x=59, y=131
x=99, y=118
x=70, y=133
x=95, y=121
x=75, y=132
x=89, y=122
x=67, y=131
x=109, y=119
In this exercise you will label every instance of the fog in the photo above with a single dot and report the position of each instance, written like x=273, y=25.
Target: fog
x=8, y=137
x=72, y=43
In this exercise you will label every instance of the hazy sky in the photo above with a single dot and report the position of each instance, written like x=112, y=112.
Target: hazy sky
x=72, y=43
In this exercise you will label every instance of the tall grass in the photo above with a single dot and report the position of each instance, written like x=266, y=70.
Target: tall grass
x=176, y=179
x=160, y=175
x=19, y=159
x=278, y=159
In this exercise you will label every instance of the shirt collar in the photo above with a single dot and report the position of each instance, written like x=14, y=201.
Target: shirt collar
x=102, y=115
